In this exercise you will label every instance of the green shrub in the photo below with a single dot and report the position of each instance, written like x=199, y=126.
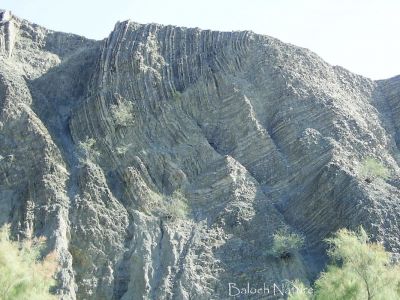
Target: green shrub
x=22, y=275
x=87, y=151
x=122, y=113
x=121, y=150
x=176, y=206
x=372, y=169
x=169, y=207
x=285, y=244
x=153, y=203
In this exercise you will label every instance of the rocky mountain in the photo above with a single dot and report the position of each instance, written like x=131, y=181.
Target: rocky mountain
x=160, y=161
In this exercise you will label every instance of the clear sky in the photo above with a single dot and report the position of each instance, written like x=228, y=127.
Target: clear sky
x=360, y=35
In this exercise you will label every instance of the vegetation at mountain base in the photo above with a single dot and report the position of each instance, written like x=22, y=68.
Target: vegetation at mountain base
x=359, y=269
x=23, y=274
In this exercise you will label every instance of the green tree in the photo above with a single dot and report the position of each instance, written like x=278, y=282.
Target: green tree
x=359, y=270
x=23, y=275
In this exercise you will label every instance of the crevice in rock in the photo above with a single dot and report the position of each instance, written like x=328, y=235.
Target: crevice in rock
x=181, y=261
x=122, y=270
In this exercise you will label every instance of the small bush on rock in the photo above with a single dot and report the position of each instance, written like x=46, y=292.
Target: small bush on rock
x=122, y=113
x=372, y=169
x=123, y=149
x=87, y=151
x=172, y=207
x=176, y=207
x=285, y=244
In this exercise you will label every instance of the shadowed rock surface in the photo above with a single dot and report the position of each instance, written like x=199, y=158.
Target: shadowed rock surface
x=97, y=137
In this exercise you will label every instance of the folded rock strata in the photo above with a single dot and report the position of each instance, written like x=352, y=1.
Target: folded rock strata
x=255, y=134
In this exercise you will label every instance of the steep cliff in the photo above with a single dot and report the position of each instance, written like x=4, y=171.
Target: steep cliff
x=99, y=140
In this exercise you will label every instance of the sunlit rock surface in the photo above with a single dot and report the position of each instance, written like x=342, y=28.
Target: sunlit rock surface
x=255, y=134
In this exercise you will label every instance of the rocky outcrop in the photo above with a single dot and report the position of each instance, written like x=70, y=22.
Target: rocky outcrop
x=99, y=137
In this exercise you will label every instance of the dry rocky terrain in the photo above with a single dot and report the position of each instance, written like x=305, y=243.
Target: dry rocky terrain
x=160, y=161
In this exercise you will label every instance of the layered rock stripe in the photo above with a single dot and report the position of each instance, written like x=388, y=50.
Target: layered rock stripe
x=97, y=138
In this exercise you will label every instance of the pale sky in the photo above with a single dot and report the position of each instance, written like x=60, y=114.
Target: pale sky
x=360, y=35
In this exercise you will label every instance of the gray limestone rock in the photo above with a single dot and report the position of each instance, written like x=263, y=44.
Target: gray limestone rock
x=98, y=137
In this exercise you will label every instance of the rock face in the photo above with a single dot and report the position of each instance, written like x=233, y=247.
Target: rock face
x=97, y=138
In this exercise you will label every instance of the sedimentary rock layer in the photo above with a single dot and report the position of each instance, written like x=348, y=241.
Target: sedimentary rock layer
x=97, y=138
